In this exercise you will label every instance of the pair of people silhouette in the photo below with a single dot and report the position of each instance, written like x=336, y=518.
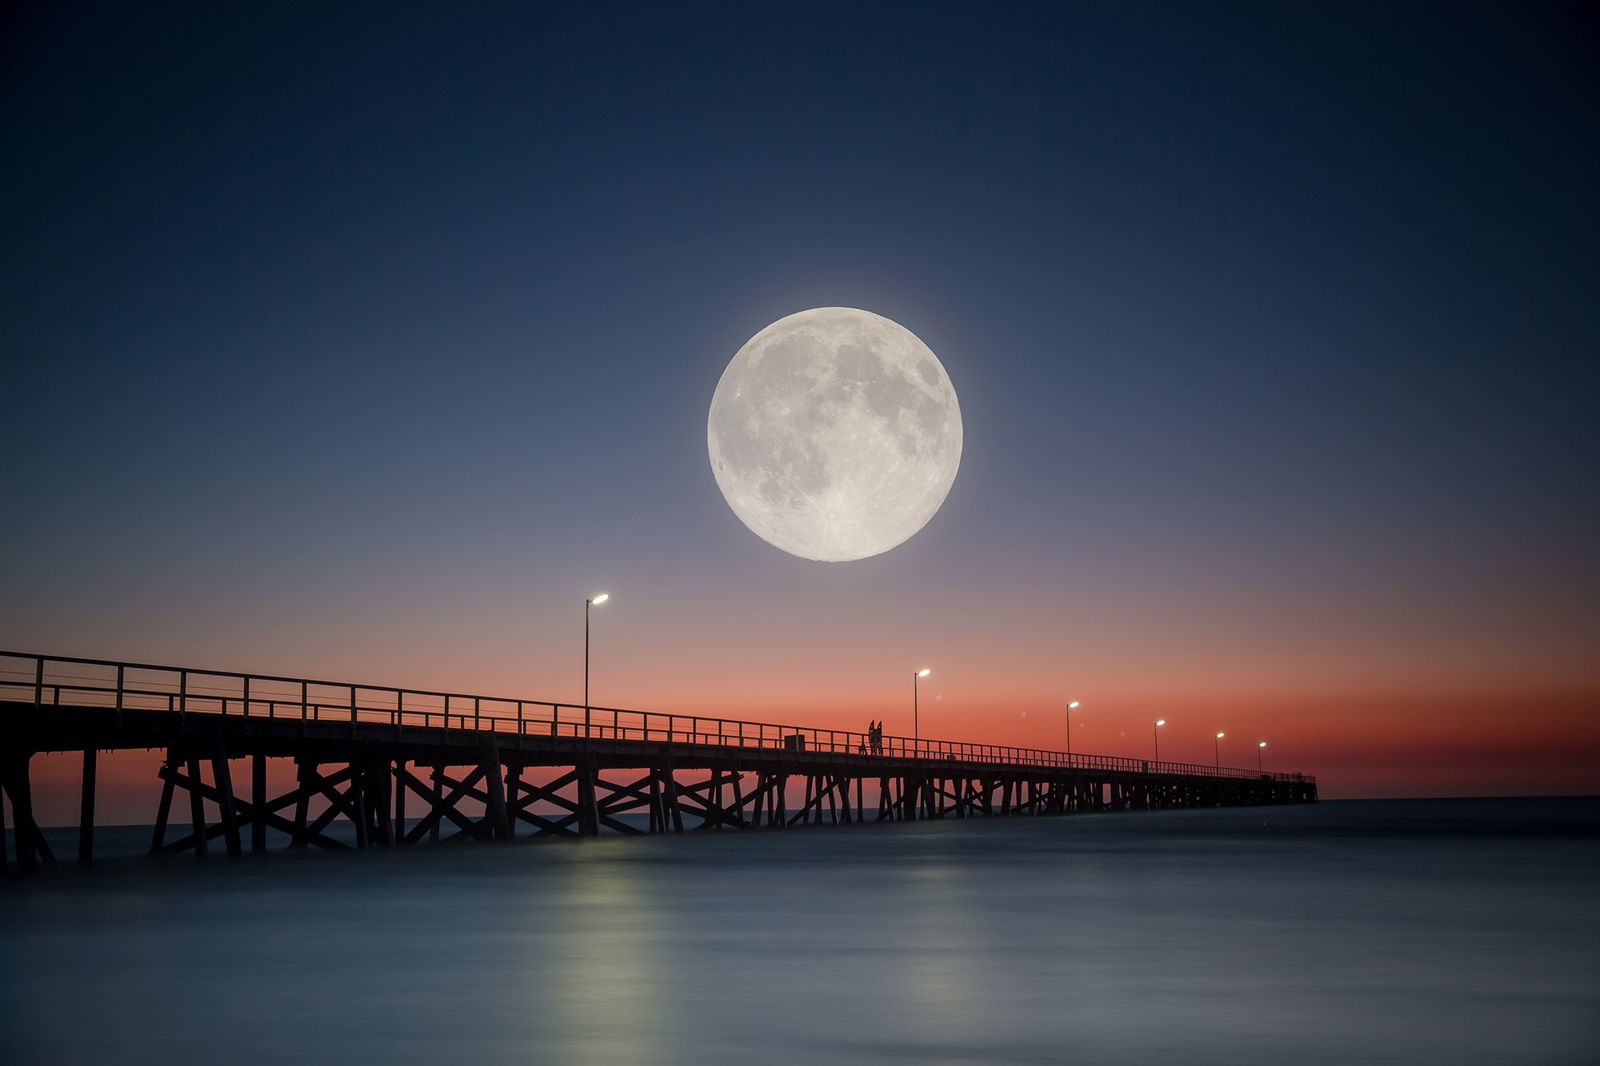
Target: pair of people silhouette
x=875, y=737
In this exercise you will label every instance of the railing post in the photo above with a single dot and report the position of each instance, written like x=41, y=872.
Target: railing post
x=477, y=724
x=352, y=710
x=247, y=697
x=38, y=685
x=519, y=718
x=183, y=691
x=120, y=669
x=302, y=701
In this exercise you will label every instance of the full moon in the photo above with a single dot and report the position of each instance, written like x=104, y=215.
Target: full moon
x=834, y=434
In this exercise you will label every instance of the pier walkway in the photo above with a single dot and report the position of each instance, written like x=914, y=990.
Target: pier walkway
x=498, y=769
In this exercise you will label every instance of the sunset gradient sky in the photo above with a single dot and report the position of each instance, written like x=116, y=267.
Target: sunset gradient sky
x=363, y=342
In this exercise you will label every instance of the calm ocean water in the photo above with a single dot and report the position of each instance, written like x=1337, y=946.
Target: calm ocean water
x=1451, y=931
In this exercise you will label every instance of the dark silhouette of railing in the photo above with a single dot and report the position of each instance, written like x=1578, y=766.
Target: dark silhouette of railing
x=100, y=683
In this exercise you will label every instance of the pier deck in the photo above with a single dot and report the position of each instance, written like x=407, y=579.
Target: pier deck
x=499, y=769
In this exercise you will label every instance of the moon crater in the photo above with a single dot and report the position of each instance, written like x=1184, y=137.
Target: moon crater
x=834, y=434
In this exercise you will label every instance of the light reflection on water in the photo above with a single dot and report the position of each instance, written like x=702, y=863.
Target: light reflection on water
x=1462, y=931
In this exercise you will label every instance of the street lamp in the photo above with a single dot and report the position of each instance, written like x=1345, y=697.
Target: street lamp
x=1070, y=706
x=1155, y=732
x=916, y=721
x=1216, y=747
x=1259, y=749
x=592, y=601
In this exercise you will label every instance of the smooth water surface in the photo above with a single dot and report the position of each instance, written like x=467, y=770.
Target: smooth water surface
x=1460, y=931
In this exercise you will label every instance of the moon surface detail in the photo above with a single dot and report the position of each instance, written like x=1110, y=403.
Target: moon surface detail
x=834, y=434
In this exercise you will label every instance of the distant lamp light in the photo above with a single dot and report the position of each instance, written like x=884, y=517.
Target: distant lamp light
x=588, y=602
x=916, y=716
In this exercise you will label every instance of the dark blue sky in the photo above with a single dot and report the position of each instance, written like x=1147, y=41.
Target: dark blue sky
x=1265, y=319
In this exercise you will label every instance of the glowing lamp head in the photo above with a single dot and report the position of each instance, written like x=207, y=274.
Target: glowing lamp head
x=1072, y=705
x=924, y=672
x=603, y=597
x=1161, y=721
x=1262, y=744
x=1221, y=735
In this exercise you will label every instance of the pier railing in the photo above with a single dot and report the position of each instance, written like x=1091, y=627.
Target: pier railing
x=64, y=681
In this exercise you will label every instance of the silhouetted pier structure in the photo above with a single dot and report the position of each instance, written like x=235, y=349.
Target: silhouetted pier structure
x=495, y=769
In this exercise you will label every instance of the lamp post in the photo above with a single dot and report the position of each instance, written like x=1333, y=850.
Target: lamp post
x=588, y=603
x=1155, y=733
x=1070, y=706
x=1259, y=749
x=1216, y=747
x=916, y=720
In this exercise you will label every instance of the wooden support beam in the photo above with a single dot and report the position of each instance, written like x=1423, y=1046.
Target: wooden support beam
x=258, y=792
x=499, y=820
x=86, y=808
x=588, y=813
x=437, y=799
x=197, y=813
x=382, y=786
x=513, y=785
x=357, y=808
x=222, y=775
x=670, y=785
x=445, y=806
x=247, y=810
x=305, y=771
x=399, y=802
x=31, y=846
x=737, y=779
x=164, y=808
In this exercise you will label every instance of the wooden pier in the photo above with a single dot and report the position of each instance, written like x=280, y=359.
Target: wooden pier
x=405, y=767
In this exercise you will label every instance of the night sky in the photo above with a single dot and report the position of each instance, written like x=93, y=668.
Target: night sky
x=364, y=341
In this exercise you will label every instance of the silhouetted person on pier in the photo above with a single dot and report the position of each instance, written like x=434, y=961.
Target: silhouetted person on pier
x=875, y=735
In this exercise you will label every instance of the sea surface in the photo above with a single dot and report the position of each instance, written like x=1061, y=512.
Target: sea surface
x=1416, y=931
